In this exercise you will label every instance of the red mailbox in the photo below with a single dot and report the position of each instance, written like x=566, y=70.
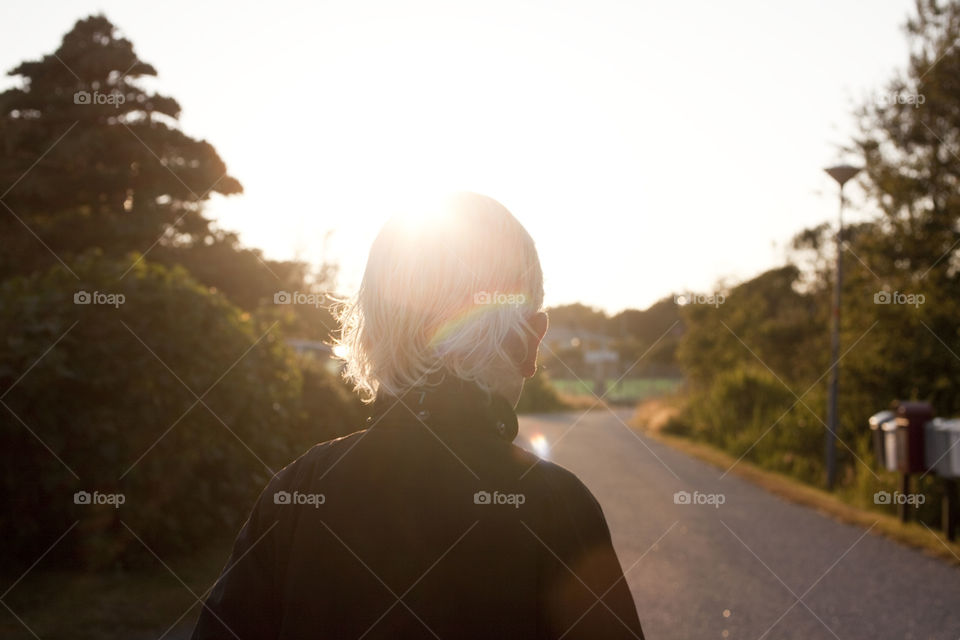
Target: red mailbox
x=911, y=418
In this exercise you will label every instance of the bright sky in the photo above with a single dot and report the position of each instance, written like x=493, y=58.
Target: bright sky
x=648, y=147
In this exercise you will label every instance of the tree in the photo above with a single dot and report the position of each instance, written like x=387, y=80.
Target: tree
x=901, y=296
x=580, y=317
x=762, y=323
x=113, y=407
x=649, y=337
x=161, y=375
x=93, y=160
x=116, y=173
x=909, y=142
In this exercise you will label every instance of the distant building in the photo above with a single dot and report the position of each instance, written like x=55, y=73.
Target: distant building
x=584, y=354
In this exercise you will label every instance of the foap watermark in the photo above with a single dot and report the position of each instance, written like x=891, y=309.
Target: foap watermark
x=485, y=497
x=99, y=297
x=309, y=499
x=697, y=498
x=299, y=297
x=112, y=499
x=899, y=297
x=115, y=98
x=499, y=298
x=897, y=497
x=711, y=299
x=901, y=97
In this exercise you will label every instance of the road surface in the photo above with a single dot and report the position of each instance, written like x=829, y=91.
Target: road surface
x=752, y=567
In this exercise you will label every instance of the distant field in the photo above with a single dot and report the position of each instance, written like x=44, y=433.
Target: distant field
x=628, y=389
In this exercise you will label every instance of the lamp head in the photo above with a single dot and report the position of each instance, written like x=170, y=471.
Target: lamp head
x=842, y=172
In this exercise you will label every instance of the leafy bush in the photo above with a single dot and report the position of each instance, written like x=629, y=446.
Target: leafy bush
x=174, y=398
x=749, y=412
x=540, y=396
x=330, y=409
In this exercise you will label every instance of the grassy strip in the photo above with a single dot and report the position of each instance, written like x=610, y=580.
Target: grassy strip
x=626, y=390
x=911, y=533
x=135, y=604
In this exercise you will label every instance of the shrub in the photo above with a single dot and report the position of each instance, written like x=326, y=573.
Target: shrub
x=112, y=406
x=329, y=408
x=540, y=396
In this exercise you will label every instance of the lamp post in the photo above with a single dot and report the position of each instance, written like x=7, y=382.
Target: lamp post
x=841, y=173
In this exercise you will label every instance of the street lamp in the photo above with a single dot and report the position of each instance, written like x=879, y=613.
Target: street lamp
x=841, y=173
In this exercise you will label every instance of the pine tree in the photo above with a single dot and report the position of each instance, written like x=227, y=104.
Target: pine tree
x=93, y=159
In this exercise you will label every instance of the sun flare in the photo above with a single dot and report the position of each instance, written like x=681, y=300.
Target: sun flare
x=540, y=445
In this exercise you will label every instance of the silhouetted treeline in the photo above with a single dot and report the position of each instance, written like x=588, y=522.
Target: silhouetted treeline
x=143, y=352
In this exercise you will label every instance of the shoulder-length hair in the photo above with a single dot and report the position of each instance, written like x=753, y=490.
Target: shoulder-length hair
x=443, y=290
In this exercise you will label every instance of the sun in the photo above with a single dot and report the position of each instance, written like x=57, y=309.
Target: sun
x=422, y=209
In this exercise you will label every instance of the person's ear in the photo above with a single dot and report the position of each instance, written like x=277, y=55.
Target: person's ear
x=533, y=336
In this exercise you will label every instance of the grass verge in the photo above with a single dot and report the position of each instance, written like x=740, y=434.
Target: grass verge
x=912, y=534
x=141, y=604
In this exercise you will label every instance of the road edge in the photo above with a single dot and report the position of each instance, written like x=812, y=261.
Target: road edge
x=911, y=534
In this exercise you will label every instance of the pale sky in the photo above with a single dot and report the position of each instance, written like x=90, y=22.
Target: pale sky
x=648, y=147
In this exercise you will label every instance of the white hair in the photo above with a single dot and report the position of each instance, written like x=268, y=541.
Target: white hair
x=442, y=291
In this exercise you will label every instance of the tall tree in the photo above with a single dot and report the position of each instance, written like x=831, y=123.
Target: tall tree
x=910, y=143
x=92, y=159
x=901, y=296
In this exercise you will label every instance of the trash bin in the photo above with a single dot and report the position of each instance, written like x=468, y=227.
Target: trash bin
x=876, y=433
x=942, y=447
x=911, y=418
x=890, y=453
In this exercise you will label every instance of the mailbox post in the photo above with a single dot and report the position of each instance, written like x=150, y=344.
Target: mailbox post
x=910, y=440
x=942, y=445
x=949, y=508
x=911, y=420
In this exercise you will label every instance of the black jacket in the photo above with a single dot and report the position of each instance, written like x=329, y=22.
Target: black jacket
x=429, y=523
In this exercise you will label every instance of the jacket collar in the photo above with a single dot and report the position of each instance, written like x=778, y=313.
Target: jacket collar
x=447, y=402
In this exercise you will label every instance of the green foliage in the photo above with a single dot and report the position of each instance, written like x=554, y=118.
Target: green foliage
x=764, y=321
x=117, y=401
x=116, y=173
x=625, y=390
x=759, y=363
x=580, y=317
x=173, y=386
x=748, y=411
x=540, y=396
x=330, y=409
x=650, y=338
x=646, y=340
x=121, y=177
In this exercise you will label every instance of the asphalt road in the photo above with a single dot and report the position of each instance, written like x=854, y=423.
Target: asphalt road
x=752, y=567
